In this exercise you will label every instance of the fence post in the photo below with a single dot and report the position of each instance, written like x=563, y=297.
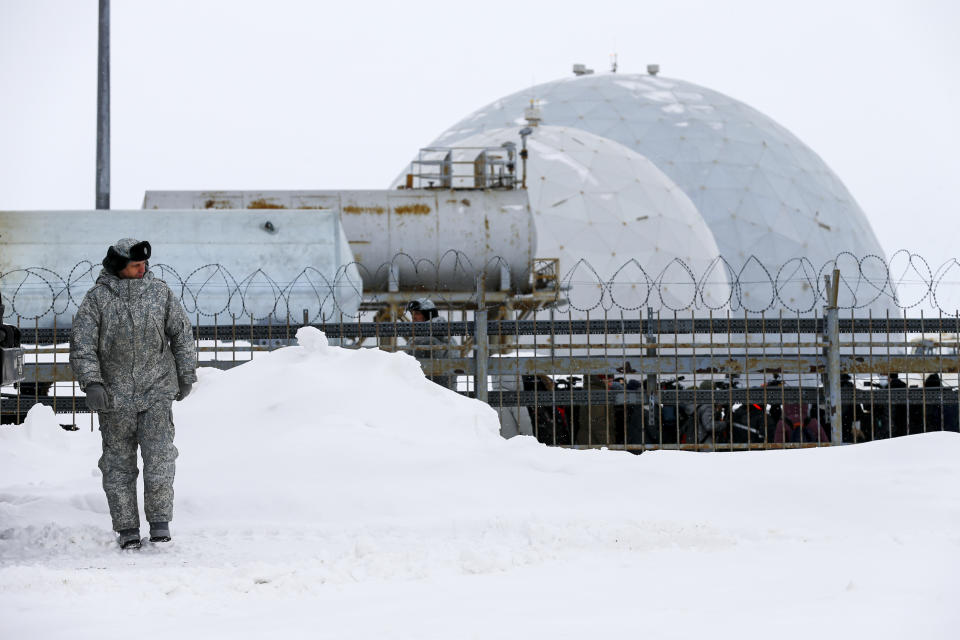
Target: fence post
x=481, y=350
x=651, y=388
x=833, y=358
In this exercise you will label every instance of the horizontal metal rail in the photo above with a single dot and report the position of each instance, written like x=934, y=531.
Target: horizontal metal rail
x=559, y=327
x=60, y=404
x=757, y=395
x=45, y=372
x=743, y=365
x=718, y=446
x=667, y=365
x=929, y=397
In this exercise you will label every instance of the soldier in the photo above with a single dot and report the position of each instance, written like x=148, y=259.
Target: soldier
x=434, y=346
x=132, y=352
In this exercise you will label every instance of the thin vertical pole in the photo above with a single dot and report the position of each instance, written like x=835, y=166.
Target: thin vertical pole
x=923, y=388
x=855, y=425
x=653, y=379
x=73, y=386
x=55, y=376
x=103, y=109
x=481, y=344
x=783, y=392
x=536, y=385
x=833, y=359
x=553, y=386
x=36, y=360
x=676, y=375
x=623, y=359
x=20, y=387
x=890, y=425
x=765, y=411
x=729, y=407
x=587, y=387
x=746, y=379
x=518, y=384
x=873, y=409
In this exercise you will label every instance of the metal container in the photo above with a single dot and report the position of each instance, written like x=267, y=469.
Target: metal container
x=408, y=239
x=248, y=265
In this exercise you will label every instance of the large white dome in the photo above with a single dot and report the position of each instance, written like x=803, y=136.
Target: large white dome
x=604, y=211
x=761, y=191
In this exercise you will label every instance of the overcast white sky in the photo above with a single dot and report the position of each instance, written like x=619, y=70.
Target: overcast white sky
x=296, y=94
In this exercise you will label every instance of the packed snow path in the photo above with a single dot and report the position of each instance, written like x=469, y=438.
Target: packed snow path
x=328, y=493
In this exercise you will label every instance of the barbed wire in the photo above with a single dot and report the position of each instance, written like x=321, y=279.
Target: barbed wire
x=903, y=282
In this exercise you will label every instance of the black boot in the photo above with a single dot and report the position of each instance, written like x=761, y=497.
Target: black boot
x=128, y=538
x=159, y=532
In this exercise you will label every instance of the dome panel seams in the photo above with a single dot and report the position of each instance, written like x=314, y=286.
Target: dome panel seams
x=682, y=128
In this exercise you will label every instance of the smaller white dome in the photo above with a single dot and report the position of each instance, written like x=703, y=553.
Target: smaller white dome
x=595, y=200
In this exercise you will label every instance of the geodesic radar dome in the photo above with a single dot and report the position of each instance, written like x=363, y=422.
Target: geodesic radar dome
x=605, y=211
x=761, y=191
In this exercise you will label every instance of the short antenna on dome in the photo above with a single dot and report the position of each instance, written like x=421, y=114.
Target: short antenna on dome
x=653, y=69
x=532, y=114
x=613, y=62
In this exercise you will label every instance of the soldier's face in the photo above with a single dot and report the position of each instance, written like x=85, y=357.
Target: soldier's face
x=134, y=270
x=418, y=316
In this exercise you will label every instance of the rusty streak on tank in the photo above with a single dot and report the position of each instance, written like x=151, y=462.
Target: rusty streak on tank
x=359, y=210
x=261, y=203
x=216, y=204
x=414, y=209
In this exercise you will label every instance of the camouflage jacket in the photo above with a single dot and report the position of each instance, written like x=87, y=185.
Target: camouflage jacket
x=134, y=337
x=436, y=345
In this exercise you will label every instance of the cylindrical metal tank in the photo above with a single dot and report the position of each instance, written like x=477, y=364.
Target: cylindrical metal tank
x=408, y=239
x=248, y=265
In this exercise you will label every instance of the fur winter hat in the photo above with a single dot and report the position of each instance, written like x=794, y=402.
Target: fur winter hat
x=124, y=252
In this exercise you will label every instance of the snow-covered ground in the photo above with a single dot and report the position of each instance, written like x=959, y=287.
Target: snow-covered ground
x=331, y=493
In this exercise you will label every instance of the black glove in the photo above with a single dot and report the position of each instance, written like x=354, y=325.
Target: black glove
x=185, y=388
x=97, y=397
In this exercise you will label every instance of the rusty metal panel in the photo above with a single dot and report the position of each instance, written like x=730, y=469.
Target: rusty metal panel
x=414, y=240
x=329, y=201
x=366, y=222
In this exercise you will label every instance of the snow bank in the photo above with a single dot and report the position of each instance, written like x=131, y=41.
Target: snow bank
x=334, y=489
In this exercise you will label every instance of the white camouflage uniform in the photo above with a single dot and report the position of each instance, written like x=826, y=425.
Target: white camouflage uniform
x=134, y=337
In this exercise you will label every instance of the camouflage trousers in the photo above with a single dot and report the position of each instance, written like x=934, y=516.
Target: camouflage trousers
x=153, y=431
